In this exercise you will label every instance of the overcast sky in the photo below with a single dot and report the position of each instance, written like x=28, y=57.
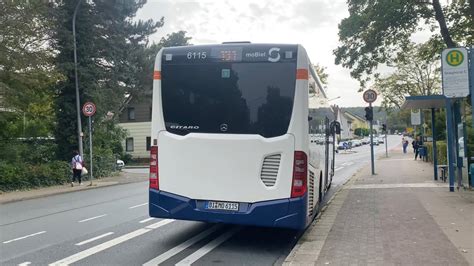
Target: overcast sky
x=312, y=23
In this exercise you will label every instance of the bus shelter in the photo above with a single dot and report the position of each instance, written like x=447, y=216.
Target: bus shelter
x=433, y=102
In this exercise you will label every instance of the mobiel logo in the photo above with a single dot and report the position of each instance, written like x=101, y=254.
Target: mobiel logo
x=454, y=58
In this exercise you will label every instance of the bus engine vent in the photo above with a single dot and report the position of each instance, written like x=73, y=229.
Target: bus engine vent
x=270, y=169
x=311, y=193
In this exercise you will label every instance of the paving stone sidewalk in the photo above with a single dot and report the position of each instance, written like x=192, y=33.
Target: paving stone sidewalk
x=400, y=216
x=120, y=178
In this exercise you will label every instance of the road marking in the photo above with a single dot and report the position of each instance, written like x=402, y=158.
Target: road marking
x=96, y=249
x=337, y=169
x=92, y=218
x=94, y=238
x=208, y=247
x=139, y=205
x=146, y=220
x=23, y=237
x=409, y=185
x=350, y=163
x=170, y=253
x=25, y=263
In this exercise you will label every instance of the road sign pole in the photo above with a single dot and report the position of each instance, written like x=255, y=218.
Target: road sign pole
x=90, y=149
x=386, y=144
x=471, y=83
x=372, y=144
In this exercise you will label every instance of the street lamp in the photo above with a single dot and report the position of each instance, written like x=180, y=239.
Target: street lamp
x=78, y=103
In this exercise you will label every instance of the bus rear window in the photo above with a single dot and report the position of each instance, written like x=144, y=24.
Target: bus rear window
x=230, y=98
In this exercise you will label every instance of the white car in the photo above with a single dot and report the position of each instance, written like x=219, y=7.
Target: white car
x=120, y=164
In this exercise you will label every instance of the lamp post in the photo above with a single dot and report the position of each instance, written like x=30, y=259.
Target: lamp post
x=78, y=103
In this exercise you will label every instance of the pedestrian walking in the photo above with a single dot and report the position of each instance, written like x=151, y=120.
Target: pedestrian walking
x=405, y=145
x=77, y=163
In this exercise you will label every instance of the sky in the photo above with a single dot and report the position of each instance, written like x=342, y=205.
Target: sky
x=312, y=23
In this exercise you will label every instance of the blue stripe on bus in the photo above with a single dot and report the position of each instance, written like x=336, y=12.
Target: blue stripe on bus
x=287, y=213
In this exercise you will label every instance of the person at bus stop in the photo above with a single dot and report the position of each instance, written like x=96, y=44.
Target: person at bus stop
x=405, y=145
x=417, y=146
x=77, y=163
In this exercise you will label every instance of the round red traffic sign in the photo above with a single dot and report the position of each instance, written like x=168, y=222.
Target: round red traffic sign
x=370, y=96
x=88, y=109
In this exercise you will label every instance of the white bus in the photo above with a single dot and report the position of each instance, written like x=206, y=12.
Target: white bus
x=230, y=137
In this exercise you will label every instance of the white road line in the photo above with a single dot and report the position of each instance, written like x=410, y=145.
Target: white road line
x=337, y=169
x=23, y=237
x=170, y=253
x=350, y=163
x=92, y=218
x=147, y=220
x=208, y=247
x=139, y=205
x=96, y=249
x=94, y=239
x=25, y=263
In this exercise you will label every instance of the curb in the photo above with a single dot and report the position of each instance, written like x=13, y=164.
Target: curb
x=53, y=193
x=310, y=254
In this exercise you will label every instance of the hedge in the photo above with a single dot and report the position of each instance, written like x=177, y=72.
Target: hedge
x=441, y=149
x=17, y=176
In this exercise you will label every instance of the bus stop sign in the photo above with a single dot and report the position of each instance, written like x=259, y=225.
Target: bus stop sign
x=88, y=109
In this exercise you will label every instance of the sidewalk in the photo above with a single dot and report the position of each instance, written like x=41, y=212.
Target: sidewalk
x=121, y=178
x=398, y=217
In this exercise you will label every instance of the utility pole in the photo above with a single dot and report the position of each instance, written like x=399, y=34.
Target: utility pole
x=78, y=101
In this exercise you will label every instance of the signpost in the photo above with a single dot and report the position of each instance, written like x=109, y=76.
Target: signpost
x=455, y=76
x=88, y=109
x=370, y=96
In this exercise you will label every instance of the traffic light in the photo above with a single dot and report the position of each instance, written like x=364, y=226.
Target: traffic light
x=369, y=114
x=384, y=127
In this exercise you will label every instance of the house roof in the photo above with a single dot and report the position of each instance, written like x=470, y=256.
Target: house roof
x=354, y=116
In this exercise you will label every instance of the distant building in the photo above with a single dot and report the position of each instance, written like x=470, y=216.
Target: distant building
x=135, y=117
x=357, y=121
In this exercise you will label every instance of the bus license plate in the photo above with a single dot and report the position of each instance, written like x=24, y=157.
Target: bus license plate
x=219, y=205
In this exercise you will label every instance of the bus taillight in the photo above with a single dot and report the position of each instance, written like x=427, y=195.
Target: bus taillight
x=154, y=173
x=300, y=169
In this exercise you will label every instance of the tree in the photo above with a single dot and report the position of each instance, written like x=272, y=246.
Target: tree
x=322, y=74
x=108, y=46
x=414, y=75
x=26, y=69
x=376, y=30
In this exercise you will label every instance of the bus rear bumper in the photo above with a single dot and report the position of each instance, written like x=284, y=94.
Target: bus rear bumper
x=286, y=213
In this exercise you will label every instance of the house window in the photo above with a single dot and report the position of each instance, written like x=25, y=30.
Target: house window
x=131, y=113
x=129, y=144
x=148, y=143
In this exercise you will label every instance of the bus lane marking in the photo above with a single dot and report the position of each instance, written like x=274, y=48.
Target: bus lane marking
x=94, y=239
x=23, y=237
x=147, y=220
x=113, y=242
x=186, y=244
x=139, y=205
x=208, y=247
x=92, y=218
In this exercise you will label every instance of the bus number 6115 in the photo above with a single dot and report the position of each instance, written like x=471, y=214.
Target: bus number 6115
x=196, y=55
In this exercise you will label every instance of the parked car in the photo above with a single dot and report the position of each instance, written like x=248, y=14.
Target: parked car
x=120, y=165
x=356, y=143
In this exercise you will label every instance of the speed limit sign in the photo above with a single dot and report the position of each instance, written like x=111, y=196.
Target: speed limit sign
x=370, y=96
x=88, y=109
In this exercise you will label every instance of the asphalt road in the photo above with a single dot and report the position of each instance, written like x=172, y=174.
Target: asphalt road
x=110, y=226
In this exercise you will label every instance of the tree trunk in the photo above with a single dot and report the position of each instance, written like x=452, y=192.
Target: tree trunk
x=442, y=24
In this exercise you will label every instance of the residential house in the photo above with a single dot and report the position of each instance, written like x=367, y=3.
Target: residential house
x=135, y=117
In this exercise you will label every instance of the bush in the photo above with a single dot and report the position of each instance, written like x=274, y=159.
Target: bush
x=15, y=176
x=441, y=149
